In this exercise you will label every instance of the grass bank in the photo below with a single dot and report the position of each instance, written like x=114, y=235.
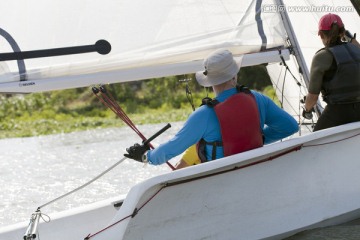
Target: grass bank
x=69, y=111
x=35, y=126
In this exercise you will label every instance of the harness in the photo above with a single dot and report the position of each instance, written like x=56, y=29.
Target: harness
x=342, y=81
x=239, y=123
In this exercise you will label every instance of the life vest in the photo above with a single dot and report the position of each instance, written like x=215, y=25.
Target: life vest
x=343, y=84
x=239, y=123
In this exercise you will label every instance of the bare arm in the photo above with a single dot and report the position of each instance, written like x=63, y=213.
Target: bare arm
x=310, y=101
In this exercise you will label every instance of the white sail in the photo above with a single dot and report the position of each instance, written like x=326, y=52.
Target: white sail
x=258, y=194
x=148, y=38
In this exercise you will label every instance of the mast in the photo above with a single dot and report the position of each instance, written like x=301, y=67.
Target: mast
x=303, y=70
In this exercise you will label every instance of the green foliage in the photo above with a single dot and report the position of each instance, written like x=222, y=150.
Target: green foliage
x=149, y=101
x=270, y=92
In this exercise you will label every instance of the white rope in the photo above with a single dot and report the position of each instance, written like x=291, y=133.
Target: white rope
x=84, y=185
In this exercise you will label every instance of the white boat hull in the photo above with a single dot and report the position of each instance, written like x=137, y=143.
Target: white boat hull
x=268, y=193
x=71, y=224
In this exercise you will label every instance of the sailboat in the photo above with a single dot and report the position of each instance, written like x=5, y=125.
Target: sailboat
x=307, y=181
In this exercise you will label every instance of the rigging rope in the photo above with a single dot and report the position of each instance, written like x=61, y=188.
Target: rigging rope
x=85, y=184
x=136, y=210
x=32, y=228
x=188, y=92
x=108, y=100
x=283, y=99
x=34, y=220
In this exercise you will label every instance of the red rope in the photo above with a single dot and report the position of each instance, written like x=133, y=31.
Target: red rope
x=92, y=235
x=131, y=215
x=136, y=210
x=340, y=140
x=108, y=100
x=297, y=148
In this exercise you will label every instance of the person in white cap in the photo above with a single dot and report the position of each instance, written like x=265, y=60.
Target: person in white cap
x=335, y=72
x=235, y=121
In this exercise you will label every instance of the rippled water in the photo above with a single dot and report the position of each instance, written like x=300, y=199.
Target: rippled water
x=36, y=170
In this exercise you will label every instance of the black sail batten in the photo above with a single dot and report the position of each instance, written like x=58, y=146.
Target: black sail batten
x=102, y=47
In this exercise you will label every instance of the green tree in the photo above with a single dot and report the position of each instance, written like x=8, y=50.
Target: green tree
x=254, y=77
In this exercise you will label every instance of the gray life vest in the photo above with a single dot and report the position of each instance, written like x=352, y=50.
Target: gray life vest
x=343, y=84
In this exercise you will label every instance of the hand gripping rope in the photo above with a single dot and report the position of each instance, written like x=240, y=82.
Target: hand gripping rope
x=31, y=231
x=108, y=100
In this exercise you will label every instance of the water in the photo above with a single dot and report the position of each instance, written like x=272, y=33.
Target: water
x=36, y=170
